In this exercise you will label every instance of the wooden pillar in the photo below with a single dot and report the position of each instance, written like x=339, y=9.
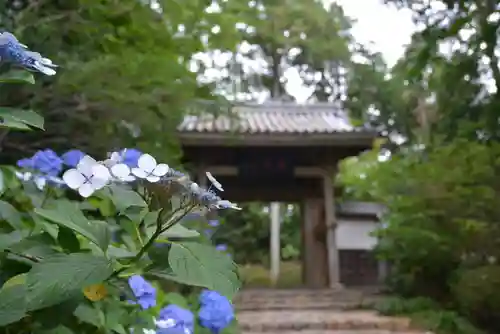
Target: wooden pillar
x=275, y=213
x=331, y=232
x=314, y=255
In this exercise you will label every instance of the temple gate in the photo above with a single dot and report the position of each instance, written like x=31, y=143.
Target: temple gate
x=281, y=152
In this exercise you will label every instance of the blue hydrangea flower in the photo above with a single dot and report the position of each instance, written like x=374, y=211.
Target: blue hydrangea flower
x=208, y=296
x=221, y=248
x=131, y=157
x=14, y=52
x=216, y=311
x=213, y=222
x=72, y=157
x=208, y=233
x=47, y=162
x=174, y=319
x=25, y=163
x=143, y=291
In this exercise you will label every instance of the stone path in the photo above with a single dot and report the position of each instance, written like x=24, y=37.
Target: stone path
x=314, y=312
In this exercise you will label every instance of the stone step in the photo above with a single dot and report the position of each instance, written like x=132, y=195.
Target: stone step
x=318, y=320
x=340, y=299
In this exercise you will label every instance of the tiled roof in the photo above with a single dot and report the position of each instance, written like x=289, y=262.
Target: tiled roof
x=272, y=118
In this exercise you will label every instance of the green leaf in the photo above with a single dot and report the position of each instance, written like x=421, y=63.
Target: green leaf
x=58, y=330
x=68, y=240
x=202, y=265
x=11, y=215
x=124, y=198
x=61, y=277
x=87, y=314
x=17, y=76
x=20, y=119
x=179, y=231
x=6, y=240
x=176, y=299
x=12, y=304
x=69, y=215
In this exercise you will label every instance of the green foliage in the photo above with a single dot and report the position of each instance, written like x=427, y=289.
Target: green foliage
x=246, y=233
x=65, y=261
x=477, y=292
x=398, y=305
x=202, y=265
x=426, y=313
x=125, y=79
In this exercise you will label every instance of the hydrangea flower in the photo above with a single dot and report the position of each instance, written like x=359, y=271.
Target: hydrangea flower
x=72, y=157
x=148, y=169
x=47, y=162
x=131, y=157
x=216, y=311
x=213, y=222
x=221, y=248
x=25, y=163
x=12, y=51
x=143, y=291
x=117, y=168
x=174, y=319
x=87, y=177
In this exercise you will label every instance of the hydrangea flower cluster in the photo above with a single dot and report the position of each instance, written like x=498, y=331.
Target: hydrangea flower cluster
x=216, y=311
x=88, y=175
x=174, y=319
x=43, y=167
x=12, y=51
x=143, y=291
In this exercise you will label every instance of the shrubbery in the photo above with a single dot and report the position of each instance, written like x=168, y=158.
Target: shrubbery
x=441, y=226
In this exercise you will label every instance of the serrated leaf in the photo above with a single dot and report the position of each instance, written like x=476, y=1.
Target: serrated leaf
x=17, y=76
x=68, y=214
x=125, y=198
x=20, y=119
x=202, y=265
x=12, y=304
x=60, y=277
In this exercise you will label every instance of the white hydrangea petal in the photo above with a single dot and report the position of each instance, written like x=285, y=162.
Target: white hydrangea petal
x=139, y=173
x=86, y=190
x=161, y=170
x=153, y=178
x=85, y=166
x=214, y=181
x=128, y=178
x=40, y=182
x=73, y=178
x=98, y=183
x=120, y=171
x=116, y=156
x=147, y=163
x=101, y=172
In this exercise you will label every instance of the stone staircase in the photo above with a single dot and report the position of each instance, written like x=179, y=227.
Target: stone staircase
x=335, y=311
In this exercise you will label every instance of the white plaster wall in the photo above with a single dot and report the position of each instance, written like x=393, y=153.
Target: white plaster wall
x=355, y=234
